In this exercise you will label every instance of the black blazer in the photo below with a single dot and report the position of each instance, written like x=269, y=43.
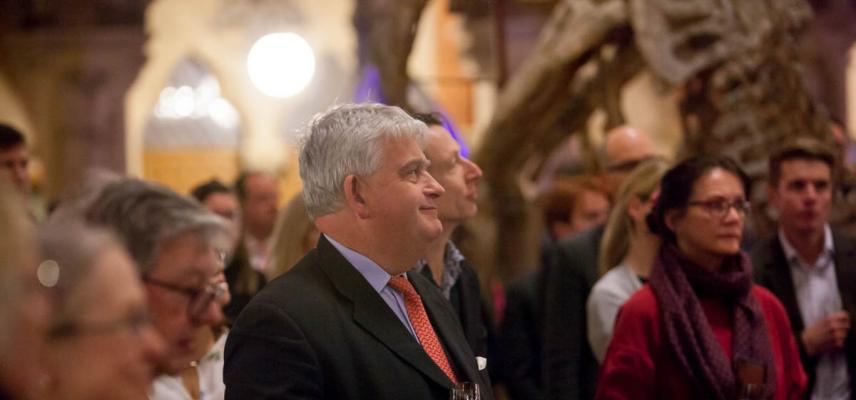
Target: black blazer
x=322, y=332
x=520, y=337
x=466, y=300
x=570, y=368
x=772, y=271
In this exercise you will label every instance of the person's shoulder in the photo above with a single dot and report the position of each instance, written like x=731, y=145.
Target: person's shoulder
x=643, y=303
x=300, y=283
x=581, y=241
x=611, y=283
x=844, y=239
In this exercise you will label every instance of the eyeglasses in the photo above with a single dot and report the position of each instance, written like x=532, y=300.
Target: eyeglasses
x=137, y=321
x=719, y=208
x=627, y=166
x=200, y=299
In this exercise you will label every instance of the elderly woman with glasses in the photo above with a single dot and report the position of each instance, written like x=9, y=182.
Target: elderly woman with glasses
x=701, y=328
x=177, y=247
x=101, y=342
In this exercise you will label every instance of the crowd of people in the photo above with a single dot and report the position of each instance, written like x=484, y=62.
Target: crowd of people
x=646, y=286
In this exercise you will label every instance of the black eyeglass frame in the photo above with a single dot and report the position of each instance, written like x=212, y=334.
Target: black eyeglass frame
x=719, y=208
x=200, y=299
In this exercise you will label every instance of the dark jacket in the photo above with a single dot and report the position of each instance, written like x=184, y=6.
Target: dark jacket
x=570, y=368
x=244, y=282
x=322, y=332
x=773, y=272
x=466, y=299
x=520, y=337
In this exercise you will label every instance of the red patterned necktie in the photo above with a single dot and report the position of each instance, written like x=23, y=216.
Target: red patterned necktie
x=422, y=325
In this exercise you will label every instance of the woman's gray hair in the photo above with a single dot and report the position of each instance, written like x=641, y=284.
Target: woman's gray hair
x=347, y=140
x=145, y=215
x=70, y=250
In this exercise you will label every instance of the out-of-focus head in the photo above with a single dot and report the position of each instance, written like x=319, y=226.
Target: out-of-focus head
x=367, y=161
x=623, y=149
x=178, y=248
x=702, y=207
x=456, y=174
x=219, y=199
x=634, y=202
x=574, y=204
x=101, y=342
x=24, y=307
x=258, y=193
x=14, y=158
x=801, y=182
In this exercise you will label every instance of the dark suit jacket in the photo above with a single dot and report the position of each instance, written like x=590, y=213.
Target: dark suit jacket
x=322, y=332
x=773, y=272
x=520, y=337
x=570, y=368
x=466, y=299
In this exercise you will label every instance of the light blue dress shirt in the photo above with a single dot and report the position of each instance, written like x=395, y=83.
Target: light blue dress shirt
x=378, y=279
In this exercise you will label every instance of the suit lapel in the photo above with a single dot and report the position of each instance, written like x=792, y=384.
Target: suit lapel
x=373, y=314
x=447, y=327
x=845, y=274
x=782, y=283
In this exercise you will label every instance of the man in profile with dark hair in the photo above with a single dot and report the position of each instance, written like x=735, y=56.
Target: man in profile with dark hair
x=443, y=264
x=809, y=266
x=14, y=157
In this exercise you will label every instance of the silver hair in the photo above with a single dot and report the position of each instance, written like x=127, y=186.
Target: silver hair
x=74, y=249
x=145, y=215
x=16, y=249
x=347, y=140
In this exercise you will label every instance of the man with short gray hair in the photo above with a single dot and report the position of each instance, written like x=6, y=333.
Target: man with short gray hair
x=177, y=246
x=349, y=321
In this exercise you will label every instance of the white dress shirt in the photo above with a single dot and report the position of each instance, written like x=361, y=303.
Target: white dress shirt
x=816, y=288
x=210, y=370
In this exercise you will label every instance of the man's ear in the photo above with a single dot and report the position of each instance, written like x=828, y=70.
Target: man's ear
x=353, y=196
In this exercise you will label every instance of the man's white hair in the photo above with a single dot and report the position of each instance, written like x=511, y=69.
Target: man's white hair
x=347, y=140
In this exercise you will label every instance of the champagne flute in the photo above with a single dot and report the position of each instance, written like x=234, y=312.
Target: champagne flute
x=465, y=391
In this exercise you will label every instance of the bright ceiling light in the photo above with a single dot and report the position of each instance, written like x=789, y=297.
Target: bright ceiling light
x=281, y=64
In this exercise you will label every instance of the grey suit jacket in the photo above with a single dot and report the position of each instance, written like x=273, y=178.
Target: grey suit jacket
x=772, y=271
x=321, y=332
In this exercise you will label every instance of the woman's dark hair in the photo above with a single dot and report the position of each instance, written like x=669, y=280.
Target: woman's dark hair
x=677, y=185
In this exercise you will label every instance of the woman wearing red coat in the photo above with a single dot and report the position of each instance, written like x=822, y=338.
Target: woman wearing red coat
x=701, y=329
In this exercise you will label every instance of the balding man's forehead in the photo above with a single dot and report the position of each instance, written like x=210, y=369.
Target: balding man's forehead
x=627, y=143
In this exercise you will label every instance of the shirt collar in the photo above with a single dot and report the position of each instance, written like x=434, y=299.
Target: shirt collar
x=452, y=259
x=376, y=276
x=791, y=254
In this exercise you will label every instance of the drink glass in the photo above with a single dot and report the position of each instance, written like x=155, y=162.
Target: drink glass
x=465, y=391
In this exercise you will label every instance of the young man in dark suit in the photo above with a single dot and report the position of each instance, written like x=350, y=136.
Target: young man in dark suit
x=348, y=322
x=809, y=266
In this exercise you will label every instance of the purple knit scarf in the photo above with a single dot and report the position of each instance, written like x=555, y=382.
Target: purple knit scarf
x=676, y=282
